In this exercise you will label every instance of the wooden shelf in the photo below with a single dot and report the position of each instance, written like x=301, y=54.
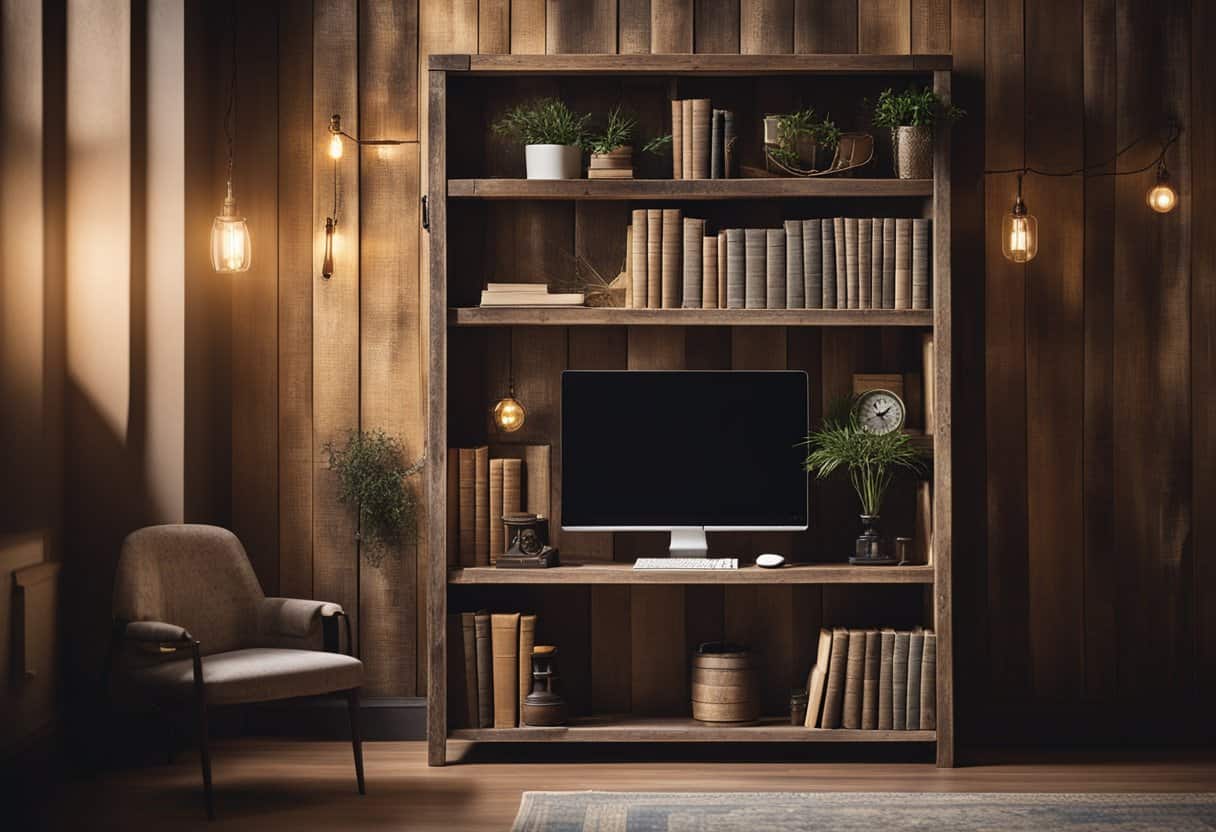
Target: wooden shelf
x=818, y=64
x=624, y=573
x=604, y=316
x=682, y=729
x=686, y=189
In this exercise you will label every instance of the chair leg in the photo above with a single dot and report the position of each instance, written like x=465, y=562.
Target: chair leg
x=204, y=751
x=352, y=705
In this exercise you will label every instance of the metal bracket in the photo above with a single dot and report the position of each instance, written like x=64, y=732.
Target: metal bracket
x=426, y=215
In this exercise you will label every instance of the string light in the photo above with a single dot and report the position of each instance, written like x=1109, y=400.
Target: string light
x=509, y=415
x=1162, y=197
x=231, y=246
x=1019, y=231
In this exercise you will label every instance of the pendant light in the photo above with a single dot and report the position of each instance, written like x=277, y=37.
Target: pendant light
x=1019, y=231
x=1162, y=197
x=509, y=415
x=231, y=246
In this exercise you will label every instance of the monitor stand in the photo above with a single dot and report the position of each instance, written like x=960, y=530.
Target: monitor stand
x=688, y=542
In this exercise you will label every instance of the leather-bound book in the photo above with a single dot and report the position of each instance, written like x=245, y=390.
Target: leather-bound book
x=817, y=681
x=795, y=287
x=709, y=273
x=876, y=263
x=458, y=693
x=842, y=265
x=928, y=684
x=850, y=261
x=453, y=508
x=694, y=233
x=903, y=263
x=865, y=229
x=774, y=268
x=701, y=118
x=888, y=263
x=736, y=269
x=638, y=249
x=869, y=688
x=485, y=672
x=854, y=680
x=920, y=264
x=654, y=258
x=481, y=496
x=715, y=145
x=504, y=641
x=468, y=507
x=672, y=252
x=827, y=239
x=755, y=269
x=512, y=492
x=721, y=270
x=686, y=136
x=899, y=682
x=885, y=674
x=833, y=703
x=677, y=139
x=496, y=512
x=527, y=640
x=916, y=646
x=729, y=150
x=812, y=263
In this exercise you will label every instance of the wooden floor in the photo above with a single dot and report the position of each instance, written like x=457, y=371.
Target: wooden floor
x=277, y=784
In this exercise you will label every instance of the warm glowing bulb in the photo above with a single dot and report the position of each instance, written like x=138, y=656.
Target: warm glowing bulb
x=1019, y=237
x=1162, y=198
x=335, y=146
x=231, y=248
x=509, y=415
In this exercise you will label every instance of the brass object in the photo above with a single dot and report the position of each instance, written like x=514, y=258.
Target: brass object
x=544, y=706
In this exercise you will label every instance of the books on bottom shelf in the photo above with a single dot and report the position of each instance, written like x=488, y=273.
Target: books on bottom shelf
x=874, y=679
x=489, y=668
x=485, y=485
x=528, y=294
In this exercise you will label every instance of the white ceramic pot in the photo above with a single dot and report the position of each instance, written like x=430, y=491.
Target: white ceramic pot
x=554, y=161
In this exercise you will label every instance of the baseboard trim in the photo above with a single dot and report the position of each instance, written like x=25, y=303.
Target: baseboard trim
x=325, y=718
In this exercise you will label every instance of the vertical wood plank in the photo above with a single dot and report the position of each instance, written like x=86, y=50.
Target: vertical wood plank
x=825, y=26
x=444, y=27
x=388, y=107
x=716, y=26
x=931, y=27
x=580, y=26
x=335, y=303
x=671, y=26
x=766, y=28
x=528, y=27
x=633, y=26
x=493, y=27
x=884, y=26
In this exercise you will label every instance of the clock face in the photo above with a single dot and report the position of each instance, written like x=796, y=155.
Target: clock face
x=880, y=411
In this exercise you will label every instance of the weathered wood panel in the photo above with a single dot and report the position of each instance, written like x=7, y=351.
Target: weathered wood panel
x=825, y=26
x=931, y=27
x=884, y=27
x=388, y=89
x=715, y=26
x=766, y=28
x=528, y=27
x=581, y=26
x=671, y=24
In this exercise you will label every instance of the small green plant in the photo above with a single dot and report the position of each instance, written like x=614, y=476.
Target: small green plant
x=658, y=145
x=372, y=473
x=871, y=459
x=544, y=121
x=618, y=132
x=914, y=107
x=804, y=124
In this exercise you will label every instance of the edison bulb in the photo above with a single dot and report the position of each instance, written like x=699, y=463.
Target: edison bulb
x=335, y=146
x=509, y=415
x=1162, y=198
x=1019, y=237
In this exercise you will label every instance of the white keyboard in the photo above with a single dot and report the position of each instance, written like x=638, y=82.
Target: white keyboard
x=686, y=563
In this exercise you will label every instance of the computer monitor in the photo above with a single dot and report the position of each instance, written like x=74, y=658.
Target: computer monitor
x=685, y=452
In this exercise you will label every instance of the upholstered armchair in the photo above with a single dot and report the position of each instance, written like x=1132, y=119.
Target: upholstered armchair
x=192, y=626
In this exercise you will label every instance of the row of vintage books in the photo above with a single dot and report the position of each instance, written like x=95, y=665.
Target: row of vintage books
x=489, y=668
x=876, y=679
x=702, y=140
x=482, y=487
x=673, y=262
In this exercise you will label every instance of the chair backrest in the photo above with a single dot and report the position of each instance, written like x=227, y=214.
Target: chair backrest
x=197, y=577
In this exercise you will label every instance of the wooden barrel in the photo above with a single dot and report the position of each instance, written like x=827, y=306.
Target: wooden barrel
x=724, y=684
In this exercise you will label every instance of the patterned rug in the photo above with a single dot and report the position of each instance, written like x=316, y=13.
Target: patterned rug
x=863, y=812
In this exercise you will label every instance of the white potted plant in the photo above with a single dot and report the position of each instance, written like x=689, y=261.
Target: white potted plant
x=552, y=134
x=911, y=115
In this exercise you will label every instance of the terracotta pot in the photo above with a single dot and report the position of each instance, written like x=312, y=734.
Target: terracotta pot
x=913, y=147
x=553, y=161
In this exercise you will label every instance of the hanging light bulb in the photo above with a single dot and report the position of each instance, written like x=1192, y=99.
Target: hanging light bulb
x=327, y=262
x=231, y=248
x=335, y=137
x=509, y=414
x=1162, y=197
x=1019, y=231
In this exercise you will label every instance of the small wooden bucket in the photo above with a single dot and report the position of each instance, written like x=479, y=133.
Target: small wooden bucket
x=724, y=687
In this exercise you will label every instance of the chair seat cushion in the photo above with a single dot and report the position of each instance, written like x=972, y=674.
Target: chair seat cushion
x=255, y=675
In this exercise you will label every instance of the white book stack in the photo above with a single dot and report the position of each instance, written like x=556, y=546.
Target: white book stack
x=528, y=294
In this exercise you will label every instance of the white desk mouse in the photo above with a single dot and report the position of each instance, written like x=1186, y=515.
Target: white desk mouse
x=769, y=561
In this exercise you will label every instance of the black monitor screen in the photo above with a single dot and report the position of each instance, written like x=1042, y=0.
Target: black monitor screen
x=667, y=449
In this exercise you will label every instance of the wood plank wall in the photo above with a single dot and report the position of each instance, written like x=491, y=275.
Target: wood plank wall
x=1083, y=403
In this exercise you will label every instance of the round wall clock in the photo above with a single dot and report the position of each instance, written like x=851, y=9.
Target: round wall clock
x=880, y=411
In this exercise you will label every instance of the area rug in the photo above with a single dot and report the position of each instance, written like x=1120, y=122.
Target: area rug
x=863, y=812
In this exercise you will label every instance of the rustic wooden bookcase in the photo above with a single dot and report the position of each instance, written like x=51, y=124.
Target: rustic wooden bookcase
x=624, y=638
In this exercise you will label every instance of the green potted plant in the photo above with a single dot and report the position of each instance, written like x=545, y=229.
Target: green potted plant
x=911, y=116
x=372, y=473
x=800, y=141
x=553, y=136
x=871, y=460
x=611, y=151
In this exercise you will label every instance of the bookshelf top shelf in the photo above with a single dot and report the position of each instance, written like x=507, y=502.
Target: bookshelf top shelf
x=686, y=189
x=682, y=729
x=687, y=64
x=624, y=573
x=615, y=316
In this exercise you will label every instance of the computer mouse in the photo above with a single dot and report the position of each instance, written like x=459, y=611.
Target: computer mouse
x=769, y=561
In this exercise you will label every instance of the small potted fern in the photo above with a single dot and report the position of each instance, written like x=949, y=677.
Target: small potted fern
x=911, y=115
x=800, y=142
x=611, y=151
x=553, y=136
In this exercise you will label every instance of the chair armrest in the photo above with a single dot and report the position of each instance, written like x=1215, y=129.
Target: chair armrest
x=155, y=632
x=293, y=617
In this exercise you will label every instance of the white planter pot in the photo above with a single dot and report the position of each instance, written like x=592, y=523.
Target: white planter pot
x=554, y=161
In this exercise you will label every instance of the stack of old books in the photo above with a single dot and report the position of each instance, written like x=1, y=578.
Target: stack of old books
x=482, y=489
x=702, y=140
x=489, y=668
x=874, y=679
x=528, y=294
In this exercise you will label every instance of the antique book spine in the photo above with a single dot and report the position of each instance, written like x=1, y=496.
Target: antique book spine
x=504, y=641
x=812, y=262
x=854, y=680
x=729, y=153
x=922, y=529
x=654, y=258
x=754, y=242
x=701, y=117
x=929, y=374
x=916, y=646
x=920, y=264
x=850, y=260
x=876, y=263
x=869, y=688
x=485, y=672
x=468, y=628
x=899, y=682
x=828, y=247
x=817, y=682
x=686, y=134
x=715, y=146
x=795, y=287
x=496, y=504
x=694, y=233
x=527, y=640
x=512, y=491
x=468, y=507
x=672, y=270
x=458, y=696
x=721, y=269
x=903, y=263
x=774, y=268
x=536, y=482
x=928, y=684
x=865, y=229
x=736, y=269
x=629, y=266
x=677, y=139
x=709, y=273
x=481, y=497
x=885, y=673
x=888, y=263
x=833, y=704
x=638, y=248
x=453, y=508
x=842, y=268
